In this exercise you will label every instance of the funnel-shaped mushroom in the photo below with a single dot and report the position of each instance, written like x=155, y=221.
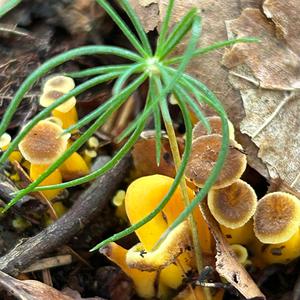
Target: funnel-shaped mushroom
x=54, y=88
x=215, y=123
x=142, y=196
x=240, y=252
x=234, y=205
x=41, y=147
x=144, y=281
x=205, y=150
x=176, y=243
x=276, y=222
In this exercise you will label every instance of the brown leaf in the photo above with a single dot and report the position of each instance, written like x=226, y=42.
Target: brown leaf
x=144, y=158
x=226, y=264
x=266, y=77
x=285, y=15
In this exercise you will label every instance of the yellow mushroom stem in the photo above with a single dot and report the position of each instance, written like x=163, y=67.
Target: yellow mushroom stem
x=67, y=118
x=74, y=167
x=284, y=252
x=54, y=178
x=243, y=235
x=144, y=281
x=175, y=244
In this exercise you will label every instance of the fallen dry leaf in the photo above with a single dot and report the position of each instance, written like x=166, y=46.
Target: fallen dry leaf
x=266, y=75
x=144, y=158
x=226, y=264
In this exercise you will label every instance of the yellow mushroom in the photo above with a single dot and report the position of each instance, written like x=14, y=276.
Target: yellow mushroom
x=54, y=88
x=144, y=281
x=234, y=205
x=241, y=253
x=276, y=224
x=176, y=243
x=215, y=123
x=5, y=140
x=59, y=83
x=205, y=150
x=41, y=147
x=173, y=258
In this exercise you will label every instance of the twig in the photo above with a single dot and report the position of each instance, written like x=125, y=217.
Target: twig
x=50, y=262
x=87, y=206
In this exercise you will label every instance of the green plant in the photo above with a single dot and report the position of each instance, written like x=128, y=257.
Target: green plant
x=164, y=79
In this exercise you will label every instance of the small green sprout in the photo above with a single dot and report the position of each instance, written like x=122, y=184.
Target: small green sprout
x=166, y=75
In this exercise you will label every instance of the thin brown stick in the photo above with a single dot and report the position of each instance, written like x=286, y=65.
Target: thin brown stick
x=88, y=205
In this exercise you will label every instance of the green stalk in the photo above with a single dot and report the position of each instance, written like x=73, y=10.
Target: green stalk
x=137, y=25
x=7, y=6
x=52, y=63
x=215, y=46
x=98, y=70
x=181, y=29
x=164, y=28
x=124, y=28
x=135, y=68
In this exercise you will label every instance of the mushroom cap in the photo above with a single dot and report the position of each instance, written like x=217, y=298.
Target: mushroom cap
x=49, y=97
x=277, y=217
x=5, y=139
x=44, y=143
x=215, y=123
x=205, y=151
x=59, y=83
x=234, y=205
x=240, y=252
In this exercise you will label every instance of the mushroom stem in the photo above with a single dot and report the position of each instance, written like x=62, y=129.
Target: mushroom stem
x=68, y=118
x=54, y=178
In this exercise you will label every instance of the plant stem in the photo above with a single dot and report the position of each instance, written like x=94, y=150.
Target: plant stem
x=184, y=192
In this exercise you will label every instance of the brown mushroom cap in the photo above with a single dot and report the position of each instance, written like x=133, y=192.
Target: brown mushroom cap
x=277, y=217
x=44, y=143
x=215, y=123
x=234, y=205
x=205, y=150
x=240, y=252
x=59, y=83
x=49, y=97
x=5, y=139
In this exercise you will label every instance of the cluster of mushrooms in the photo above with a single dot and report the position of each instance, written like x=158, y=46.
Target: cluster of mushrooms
x=46, y=141
x=259, y=232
